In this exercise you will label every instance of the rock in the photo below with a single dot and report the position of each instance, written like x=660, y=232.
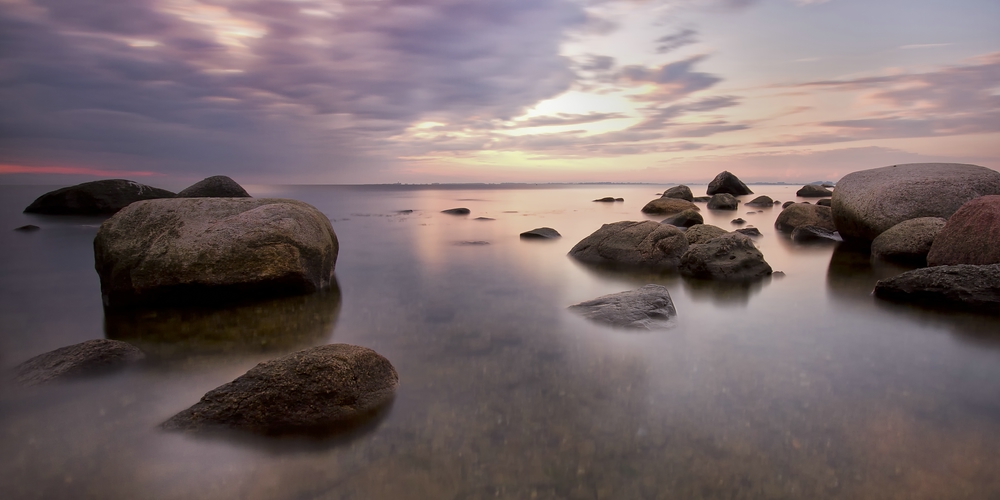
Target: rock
x=776, y=202
x=681, y=192
x=813, y=191
x=541, y=233
x=619, y=199
x=320, y=389
x=807, y=234
x=701, y=233
x=749, y=231
x=95, y=198
x=649, y=307
x=217, y=186
x=607, y=199
x=471, y=243
x=730, y=257
x=960, y=286
x=723, y=201
x=668, y=206
x=404, y=212
x=909, y=241
x=786, y=204
x=195, y=250
x=761, y=201
x=804, y=214
x=971, y=235
x=701, y=199
x=868, y=202
x=92, y=357
x=686, y=218
x=484, y=218
x=645, y=244
x=726, y=182
x=457, y=211
x=27, y=228
x=738, y=221
x=825, y=202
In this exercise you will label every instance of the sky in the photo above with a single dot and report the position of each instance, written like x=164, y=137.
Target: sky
x=167, y=92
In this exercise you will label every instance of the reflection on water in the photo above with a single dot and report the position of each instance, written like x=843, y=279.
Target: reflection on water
x=852, y=273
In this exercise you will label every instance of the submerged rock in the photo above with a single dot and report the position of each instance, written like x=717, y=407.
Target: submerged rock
x=723, y=201
x=825, y=202
x=686, y=218
x=804, y=214
x=749, y=231
x=868, y=202
x=701, y=233
x=541, y=233
x=730, y=257
x=608, y=199
x=217, y=186
x=194, y=250
x=648, y=308
x=761, y=201
x=457, y=211
x=645, y=244
x=961, y=286
x=813, y=191
x=92, y=357
x=27, y=228
x=315, y=390
x=738, y=221
x=95, y=198
x=971, y=235
x=701, y=199
x=667, y=206
x=681, y=192
x=807, y=234
x=909, y=241
x=787, y=204
x=726, y=182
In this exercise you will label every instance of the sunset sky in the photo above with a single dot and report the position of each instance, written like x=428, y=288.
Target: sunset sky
x=383, y=91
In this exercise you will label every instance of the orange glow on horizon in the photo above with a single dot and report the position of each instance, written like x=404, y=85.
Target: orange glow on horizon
x=22, y=169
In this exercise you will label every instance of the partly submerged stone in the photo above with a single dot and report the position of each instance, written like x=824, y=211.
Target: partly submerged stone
x=971, y=235
x=681, y=192
x=95, y=198
x=749, y=231
x=804, y=214
x=810, y=234
x=608, y=199
x=27, y=228
x=730, y=257
x=457, y=211
x=686, y=218
x=825, y=202
x=668, y=206
x=813, y=191
x=648, y=307
x=701, y=233
x=217, y=186
x=761, y=201
x=644, y=244
x=909, y=241
x=316, y=390
x=726, y=182
x=960, y=287
x=92, y=357
x=723, y=201
x=194, y=250
x=541, y=233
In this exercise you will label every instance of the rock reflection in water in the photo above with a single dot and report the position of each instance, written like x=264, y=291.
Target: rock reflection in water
x=277, y=325
x=724, y=293
x=852, y=273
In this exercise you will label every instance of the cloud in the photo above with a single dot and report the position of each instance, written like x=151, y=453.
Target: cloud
x=674, y=80
x=675, y=41
x=567, y=119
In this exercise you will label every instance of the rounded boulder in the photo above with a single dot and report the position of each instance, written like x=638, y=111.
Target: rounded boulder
x=909, y=241
x=971, y=235
x=643, y=244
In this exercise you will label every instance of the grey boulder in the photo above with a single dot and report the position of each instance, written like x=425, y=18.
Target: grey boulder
x=666, y=206
x=86, y=358
x=681, y=192
x=217, y=186
x=95, y=198
x=909, y=241
x=193, y=250
x=701, y=233
x=804, y=214
x=761, y=201
x=726, y=182
x=961, y=286
x=686, y=218
x=648, y=308
x=730, y=257
x=642, y=244
x=971, y=236
x=723, y=201
x=813, y=191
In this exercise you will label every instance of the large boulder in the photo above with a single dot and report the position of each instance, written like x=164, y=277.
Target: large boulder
x=195, y=250
x=217, y=186
x=761, y=201
x=86, y=358
x=726, y=182
x=644, y=244
x=804, y=214
x=909, y=241
x=730, y=257
x=646, y=308
x=686, y=218
x=95, y=198
x=971, y=236
x=700, y=233
x=868, y=202
x=317, y=390
x=813, y=191
x=723, y=201
x=681, y=192
x=666, y=206
x=962, y=286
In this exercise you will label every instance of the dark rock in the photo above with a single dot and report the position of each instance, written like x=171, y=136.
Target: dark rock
x=619, y=199
x=787, y=203
x=726, y=182
x=457, y=211
x=761, y=201
x=749, y=231
x=723, y=201
x=86, y=358
x=776, y=202
x=643, y=244
x=701, y=199
x=813, y=191
x=825, y=202
x=909, y=241
x=730, y=257
x=960, y=286
x=316, y=390
x=606, y=199
x=738, y=221
x=217, y=186
x=484, y=218
x=667, y=206
x=541, y=233
x=868, y=202
x=194, y=250
x=648, y=308
x=686, y=218
x=828, y=184
x=971, y=235
x=27, y=228
x=95, y=198
x=680, y=192
x=804, y=214
x=701, y=233
x=404, y=212
x=806, y=234
x=473, y=243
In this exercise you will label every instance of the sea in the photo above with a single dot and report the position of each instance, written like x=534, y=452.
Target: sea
x=801, y=385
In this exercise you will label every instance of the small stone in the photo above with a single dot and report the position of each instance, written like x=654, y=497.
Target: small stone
x=761, y=201
x=484, y=218
x=805, y=234
x=666, y=206
x=86, y=358
x=749, y=231
x=686, y=218
x=218, y=186
x=813, y=191
x=541, y=233
x=647, y=308
x=27, y=228
x=723, y=201
x=738, y=220
x=457, y=211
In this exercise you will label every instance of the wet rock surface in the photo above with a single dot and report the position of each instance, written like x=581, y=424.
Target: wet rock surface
x=681, y=192
x=95, y=198
x=457, y=211
x=541, y=233
x=971, y=235
x=761, y=201
x=686, y=218
x=666, y=206
x=646, y=244
x=730, y=257
x=909, y=241
x=648, y=308
x=701, y=233
x=808, y=234
x=726, y=182
x=723, y=201
x=961, y=287
x=749, y=231
x=804, y=214
x=89, y=358
x=217, y=186
x=813, y=191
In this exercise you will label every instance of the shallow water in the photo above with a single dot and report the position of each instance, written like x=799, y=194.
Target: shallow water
x=798, y=386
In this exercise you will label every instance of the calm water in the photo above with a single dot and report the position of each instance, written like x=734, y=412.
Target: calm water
x=801, y=386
